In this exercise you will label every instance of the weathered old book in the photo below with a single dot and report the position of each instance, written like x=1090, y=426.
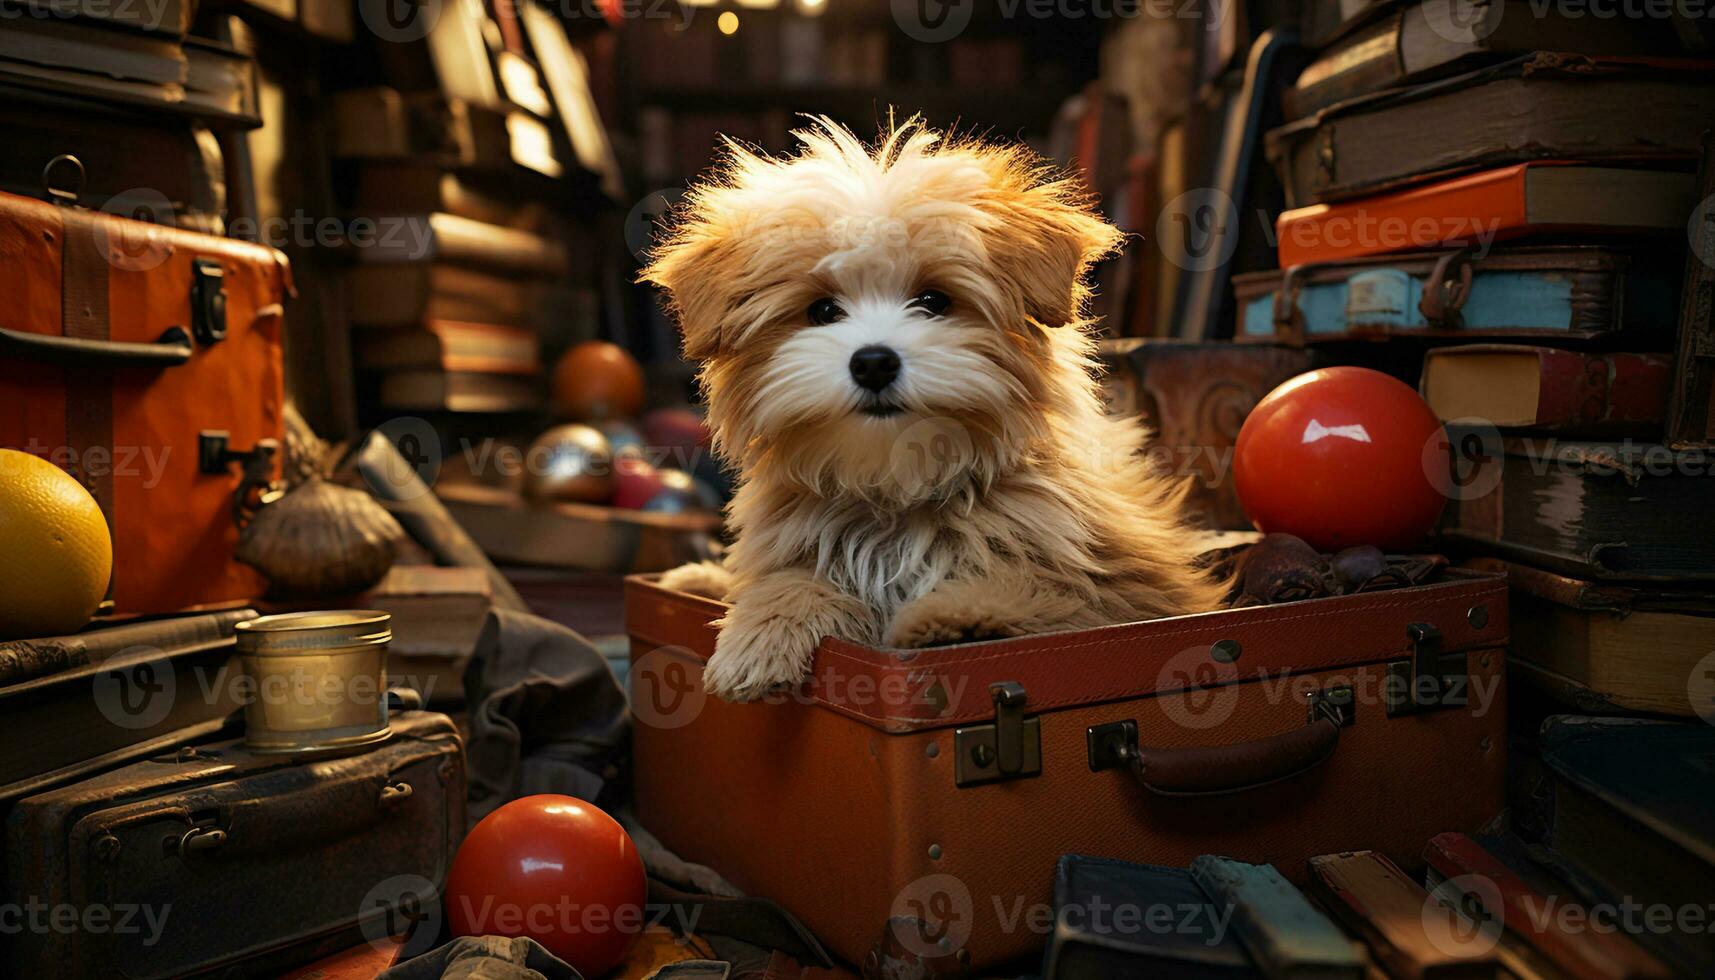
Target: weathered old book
x=1557, y=293
x=438, y=613
x=22, y=660
x=1394, y=917
x=138, y=701
x=1541, y=107
x=1287, y=936
x=1581, y=394
x=1194, y=397
x=1089, y=943
x=1633, y=820
x=408, y=294
x=1619, y=511
x=429, y=238
x=221, y=80
x=391, y=186
x=382, y=123
x=567, y=75
x=1424, y=40
x=1605, y=648
x=439, y=390
x=1537, y=911
x=1494, y=205
x=452, y=346
x=96, y=49
x=1691, y=407
x=1322, y=22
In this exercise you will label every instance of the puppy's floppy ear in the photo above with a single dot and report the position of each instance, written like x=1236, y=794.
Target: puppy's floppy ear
x=1045, y=238
x=696, y=266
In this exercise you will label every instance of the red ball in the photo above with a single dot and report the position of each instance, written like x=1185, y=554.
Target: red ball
x=635, y=482
x=1343, y=456
x=681, y=432
x=555, y=869
x=596, y=380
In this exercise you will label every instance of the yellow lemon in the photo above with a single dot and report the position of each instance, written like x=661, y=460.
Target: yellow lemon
x=55, y=553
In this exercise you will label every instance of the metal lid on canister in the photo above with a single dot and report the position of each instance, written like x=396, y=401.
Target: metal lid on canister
x=299, y=632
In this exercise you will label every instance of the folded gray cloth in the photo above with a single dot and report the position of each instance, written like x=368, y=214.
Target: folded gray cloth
x=547, y=714
x=484, y=958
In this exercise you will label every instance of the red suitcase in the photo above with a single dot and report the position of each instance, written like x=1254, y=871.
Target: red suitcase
x=145, y=361
x=912, y=803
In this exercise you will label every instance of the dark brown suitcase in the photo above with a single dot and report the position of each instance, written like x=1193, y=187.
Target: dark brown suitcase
x=909, y=805
x=246, y=862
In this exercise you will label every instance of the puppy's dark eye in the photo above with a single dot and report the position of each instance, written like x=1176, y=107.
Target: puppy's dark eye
x=932, y=301
x=825, y=311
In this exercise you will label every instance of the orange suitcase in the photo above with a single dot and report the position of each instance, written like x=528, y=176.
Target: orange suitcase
x=145, y=361
x=909, y=805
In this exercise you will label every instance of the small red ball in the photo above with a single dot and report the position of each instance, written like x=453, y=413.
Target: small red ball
x=555, y=869
x=1343, y=456
x=635, y=482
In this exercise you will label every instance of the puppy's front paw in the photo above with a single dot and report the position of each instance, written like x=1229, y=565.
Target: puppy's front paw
x=753, y=656
x=916, y=627
x=705, y=578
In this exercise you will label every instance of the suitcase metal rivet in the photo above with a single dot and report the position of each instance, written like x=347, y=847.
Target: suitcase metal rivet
x=1226, y=651
x=1477, y=616
x=934, y=852
x=932, y=750
x=107, y=848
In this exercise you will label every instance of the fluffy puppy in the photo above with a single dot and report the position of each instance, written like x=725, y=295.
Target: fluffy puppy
x=893, y=347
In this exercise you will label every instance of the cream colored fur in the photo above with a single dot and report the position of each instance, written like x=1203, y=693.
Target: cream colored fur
x=999, y=500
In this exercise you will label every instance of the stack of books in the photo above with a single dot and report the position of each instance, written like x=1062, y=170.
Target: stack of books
x=1513, y=221
x=473, y=167
x=133, y=95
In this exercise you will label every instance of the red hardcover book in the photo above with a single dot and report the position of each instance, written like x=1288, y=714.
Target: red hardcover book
x=1554, y=926
x=1519, y=386
x=1479, y=209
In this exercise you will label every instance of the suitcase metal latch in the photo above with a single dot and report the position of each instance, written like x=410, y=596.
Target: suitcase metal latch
x=1011, y=748
x=208, y=301
x=1429, y=681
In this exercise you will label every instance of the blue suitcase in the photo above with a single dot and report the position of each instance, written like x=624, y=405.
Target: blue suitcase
x=1573, y=293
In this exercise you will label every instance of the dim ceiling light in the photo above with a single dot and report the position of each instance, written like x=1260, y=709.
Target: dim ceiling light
x=759, y=4
x=697, y=3
x=812, y=7
x=727, y=22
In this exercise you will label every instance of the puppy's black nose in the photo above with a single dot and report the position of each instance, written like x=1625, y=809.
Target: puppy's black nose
x=875, y=367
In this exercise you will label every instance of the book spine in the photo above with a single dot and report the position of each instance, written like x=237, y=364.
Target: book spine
x=1376, y=900
x=1284, y=933
x=1586, y=955
x=1583, y=390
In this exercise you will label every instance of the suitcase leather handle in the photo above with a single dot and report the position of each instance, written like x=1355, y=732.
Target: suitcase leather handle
x=173, y=347
x=1213, y=770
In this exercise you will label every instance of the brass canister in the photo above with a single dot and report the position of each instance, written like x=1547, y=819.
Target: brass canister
x=316, y=681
